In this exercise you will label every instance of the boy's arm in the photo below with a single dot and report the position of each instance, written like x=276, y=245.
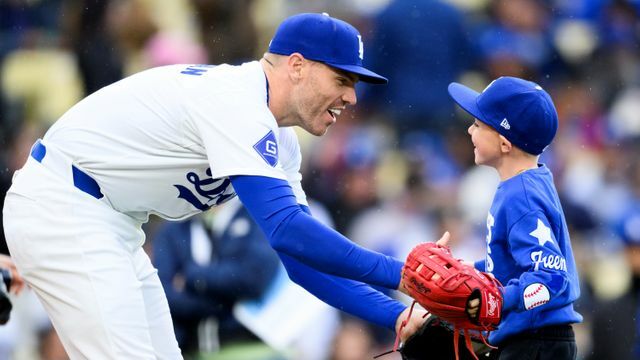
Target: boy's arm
x=547, y=281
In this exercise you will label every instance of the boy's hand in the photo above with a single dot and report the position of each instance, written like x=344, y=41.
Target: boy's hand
x=443, y=241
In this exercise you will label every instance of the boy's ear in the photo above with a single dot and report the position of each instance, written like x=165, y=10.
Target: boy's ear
x=505, y=145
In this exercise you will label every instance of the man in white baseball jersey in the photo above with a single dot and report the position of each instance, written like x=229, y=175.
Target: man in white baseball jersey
x=174, y=141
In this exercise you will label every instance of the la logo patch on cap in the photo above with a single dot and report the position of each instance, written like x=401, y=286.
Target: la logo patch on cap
x=267, y=148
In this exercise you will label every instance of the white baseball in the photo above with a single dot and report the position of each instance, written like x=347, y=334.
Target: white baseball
x=535, y=295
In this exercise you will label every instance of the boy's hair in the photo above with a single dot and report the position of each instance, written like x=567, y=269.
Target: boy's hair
x=518, y=109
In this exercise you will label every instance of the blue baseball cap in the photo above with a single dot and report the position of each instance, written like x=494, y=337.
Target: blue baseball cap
x=517, y=109
x=322, y=38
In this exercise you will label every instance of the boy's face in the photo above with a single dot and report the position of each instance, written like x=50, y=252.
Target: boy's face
x=486, y=143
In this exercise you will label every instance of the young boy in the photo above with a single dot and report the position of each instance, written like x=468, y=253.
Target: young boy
x=528, y=246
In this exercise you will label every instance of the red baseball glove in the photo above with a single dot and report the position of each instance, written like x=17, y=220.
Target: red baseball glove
x=445, y=286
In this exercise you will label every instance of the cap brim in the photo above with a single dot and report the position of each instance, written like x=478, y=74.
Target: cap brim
x=364, y=75
x=466, y=98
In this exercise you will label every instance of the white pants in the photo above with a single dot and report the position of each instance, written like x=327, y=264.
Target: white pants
x=84, y=261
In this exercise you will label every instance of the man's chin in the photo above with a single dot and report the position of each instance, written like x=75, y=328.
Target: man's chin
x=319, y=132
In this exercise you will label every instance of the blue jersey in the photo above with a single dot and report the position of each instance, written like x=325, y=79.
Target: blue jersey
x=529, y=251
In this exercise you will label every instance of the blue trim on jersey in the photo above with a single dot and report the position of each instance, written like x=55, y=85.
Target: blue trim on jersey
x=85, y=183
x=318, y=258
x=529, y=243
x=81, y=180
x=38, y=151
x=266, y=80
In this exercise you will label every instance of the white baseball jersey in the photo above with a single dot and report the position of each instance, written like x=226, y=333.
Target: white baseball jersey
x=166, y=140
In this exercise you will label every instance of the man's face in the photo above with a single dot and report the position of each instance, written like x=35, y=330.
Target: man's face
x=321, y=95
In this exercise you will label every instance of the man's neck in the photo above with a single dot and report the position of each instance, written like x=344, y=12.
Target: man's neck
x=272, y=83
x=275, y=88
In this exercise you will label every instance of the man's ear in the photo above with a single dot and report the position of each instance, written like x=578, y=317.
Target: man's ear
x=505, y=145
x=295, y=66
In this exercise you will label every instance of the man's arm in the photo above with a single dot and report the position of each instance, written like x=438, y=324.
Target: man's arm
x=350, y=296
x=292, y=232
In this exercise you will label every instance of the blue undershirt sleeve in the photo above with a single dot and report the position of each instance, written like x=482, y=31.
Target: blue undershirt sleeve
x=293, y=232
x=350, y=296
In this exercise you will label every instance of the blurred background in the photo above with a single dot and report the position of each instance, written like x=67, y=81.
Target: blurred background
x=394, y=171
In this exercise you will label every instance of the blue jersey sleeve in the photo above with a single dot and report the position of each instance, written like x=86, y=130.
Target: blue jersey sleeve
x=293, y=232
x=350, y=296
x=534, y=247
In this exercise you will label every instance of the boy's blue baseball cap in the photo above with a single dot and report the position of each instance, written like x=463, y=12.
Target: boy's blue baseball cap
x=519, y=110
x=322, y=38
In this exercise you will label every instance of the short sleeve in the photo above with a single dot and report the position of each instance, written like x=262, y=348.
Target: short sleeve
x=239, y=134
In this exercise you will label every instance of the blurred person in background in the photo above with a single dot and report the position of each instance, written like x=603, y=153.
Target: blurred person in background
x=10, y=282
x=615, y=323
x=516, y=41
x=227, y=30
x=92, y=38
x=206, y=264
x=423, y=46
x=341, y=170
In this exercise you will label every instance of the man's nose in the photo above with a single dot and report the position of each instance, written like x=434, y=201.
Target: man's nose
x=350, y=97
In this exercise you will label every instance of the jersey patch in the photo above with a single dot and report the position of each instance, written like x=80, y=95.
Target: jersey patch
x=205, y=192
x=267, y=147
x=535, y=295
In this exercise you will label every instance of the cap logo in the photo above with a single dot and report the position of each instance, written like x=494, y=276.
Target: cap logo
x=505, y=124
x=360, y=47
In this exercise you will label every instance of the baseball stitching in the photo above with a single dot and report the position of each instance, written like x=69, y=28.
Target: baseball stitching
x=537, y=293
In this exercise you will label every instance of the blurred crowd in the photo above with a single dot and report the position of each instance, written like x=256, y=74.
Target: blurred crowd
x=395, y=170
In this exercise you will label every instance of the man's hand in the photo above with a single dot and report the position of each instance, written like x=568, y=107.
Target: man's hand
x=17, y=282
x=418, y=318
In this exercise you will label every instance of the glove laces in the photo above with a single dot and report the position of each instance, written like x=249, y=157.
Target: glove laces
x=396, y=343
